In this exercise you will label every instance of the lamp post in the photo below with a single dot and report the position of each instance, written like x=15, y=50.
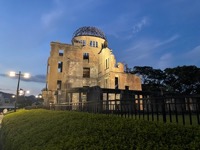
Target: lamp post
x=13, y=74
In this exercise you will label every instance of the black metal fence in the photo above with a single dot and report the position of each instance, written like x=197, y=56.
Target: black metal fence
x=177, y=109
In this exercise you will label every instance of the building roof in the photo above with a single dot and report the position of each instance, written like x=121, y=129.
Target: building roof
x=89, y=31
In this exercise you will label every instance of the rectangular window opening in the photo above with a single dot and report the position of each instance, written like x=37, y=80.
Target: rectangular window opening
x=86, y=72
x=86, y=56
x=96, y=44
x=59, y=83
x=107, y=63
x=84, y=43
x=91, y=43
x=61, y=52
x=60, y=66
x=48, y=69
x=116, y=83
x=126, y=87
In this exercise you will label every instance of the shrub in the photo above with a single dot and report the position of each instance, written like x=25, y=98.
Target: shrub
x=60, y=130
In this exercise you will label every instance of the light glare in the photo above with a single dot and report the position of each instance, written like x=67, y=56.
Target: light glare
x=27, y=92
x=12, y=74
x=26, y=75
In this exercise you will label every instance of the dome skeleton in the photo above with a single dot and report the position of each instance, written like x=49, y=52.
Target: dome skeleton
x=89, y=31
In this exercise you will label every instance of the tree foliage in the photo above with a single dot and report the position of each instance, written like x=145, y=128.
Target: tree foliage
x=181, y=79
x=152, y=79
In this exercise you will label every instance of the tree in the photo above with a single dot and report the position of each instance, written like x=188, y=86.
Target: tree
x=184, y=79
x=179, y=80
x=152, y=79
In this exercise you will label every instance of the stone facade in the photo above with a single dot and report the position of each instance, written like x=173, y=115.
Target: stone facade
x=87, y=62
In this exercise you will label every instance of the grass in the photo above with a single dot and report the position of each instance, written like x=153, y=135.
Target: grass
x=63, y=130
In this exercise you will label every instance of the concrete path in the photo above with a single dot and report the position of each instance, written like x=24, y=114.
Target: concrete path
x=1, y=117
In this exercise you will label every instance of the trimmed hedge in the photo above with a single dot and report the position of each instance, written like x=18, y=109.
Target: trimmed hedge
x=63, y=130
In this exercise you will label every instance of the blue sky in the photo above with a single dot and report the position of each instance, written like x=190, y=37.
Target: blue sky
x=153, y=33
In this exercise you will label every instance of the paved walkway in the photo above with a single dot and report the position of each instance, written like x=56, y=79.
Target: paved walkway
x=1, y=117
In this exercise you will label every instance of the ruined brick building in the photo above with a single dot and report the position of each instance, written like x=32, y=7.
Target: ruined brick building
x=86, y=62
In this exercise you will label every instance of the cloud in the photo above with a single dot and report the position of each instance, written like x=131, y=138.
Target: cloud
x=194, y=53
x=141, y=48
x=149, y=51
x=192, y=56
x=1, y=89
x=148, y=44
x=36, y=78
x=169, y=40
x=125, y=26
x=3, y=75
x=139, y=25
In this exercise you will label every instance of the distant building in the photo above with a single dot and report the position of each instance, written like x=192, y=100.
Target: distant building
x=87, y=62
x=6, y=102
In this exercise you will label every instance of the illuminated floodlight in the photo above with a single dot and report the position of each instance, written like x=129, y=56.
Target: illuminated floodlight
x=21, y=92
x=27, y=92
x=26, y=75
x=12, y=74
x=38, y=96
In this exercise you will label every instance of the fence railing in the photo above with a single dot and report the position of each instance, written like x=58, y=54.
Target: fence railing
x=181, y=110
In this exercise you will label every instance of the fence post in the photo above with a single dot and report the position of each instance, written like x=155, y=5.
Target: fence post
x=189, y=110
x=176, y=110
x=197, y=110
x=163, y=110
x=183, y=115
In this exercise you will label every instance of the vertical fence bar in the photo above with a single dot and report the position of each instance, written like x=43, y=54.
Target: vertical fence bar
x=107, y=103
x=197, y=107
x=71, y=96
x=157, y=113
x=170, y=113
x=152, y=113
x=143, y=108
x=189, y=110
x=80, y=101
x=176, y=113
x=135, y=109
x=139, y=108
x=132, y=107
x=147, y=110
x=125, y=110
x=183, y=115
x=164, y=111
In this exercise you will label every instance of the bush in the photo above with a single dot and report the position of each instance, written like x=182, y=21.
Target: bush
x=62, y=130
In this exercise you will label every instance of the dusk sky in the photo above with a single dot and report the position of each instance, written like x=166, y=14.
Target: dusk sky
x=153, y=33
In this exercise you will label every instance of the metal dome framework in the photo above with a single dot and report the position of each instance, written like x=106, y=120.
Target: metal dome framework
x=89, y=31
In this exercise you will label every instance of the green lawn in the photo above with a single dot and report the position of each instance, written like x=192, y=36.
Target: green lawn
x=63, y=130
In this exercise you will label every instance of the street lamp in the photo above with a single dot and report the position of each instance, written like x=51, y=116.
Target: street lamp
x=13, y=74
x=38, y=96
x=23, y=92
